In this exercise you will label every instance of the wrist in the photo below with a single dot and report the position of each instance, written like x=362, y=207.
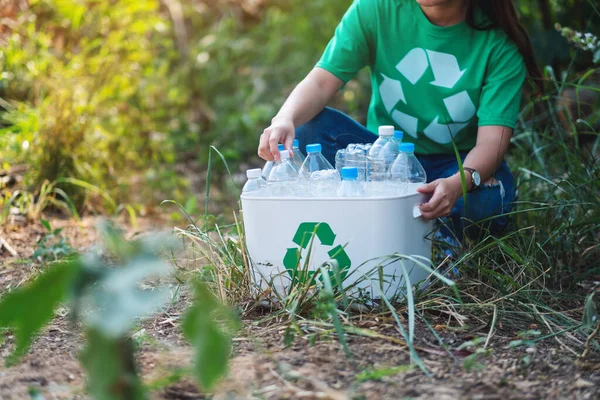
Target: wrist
x=282, y=120
x=458, y=181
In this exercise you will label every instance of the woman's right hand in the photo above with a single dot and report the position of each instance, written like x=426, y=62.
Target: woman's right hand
x=280, y=131
x=305, y=102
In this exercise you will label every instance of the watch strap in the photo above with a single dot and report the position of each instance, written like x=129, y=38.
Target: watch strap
x=472, y=170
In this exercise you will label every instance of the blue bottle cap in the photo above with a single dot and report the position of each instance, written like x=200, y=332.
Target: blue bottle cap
x=280, y=147
x=296, y=143
x=349, y=173
x=398, y=135
x=313, y=148
x=407, y=147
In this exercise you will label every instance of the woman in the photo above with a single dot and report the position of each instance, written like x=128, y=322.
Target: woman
x=448, y=73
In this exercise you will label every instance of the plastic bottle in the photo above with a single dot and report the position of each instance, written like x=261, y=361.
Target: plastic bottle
x=406, y=173
x=255, y=185
x=298, y=158
x=266, y=171
x=340, y=159
x=350, y=186
x=398, y=135
x=322, y=178
x=283, y=178
x=356, y=156
x=381, y=156
x=314, y=161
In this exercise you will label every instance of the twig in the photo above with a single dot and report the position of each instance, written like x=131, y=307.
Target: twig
x=550, y=329
x=8, y=247
x=588, y=342
x=491, y=332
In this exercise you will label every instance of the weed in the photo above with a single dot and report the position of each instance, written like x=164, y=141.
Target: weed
x=377, y=374
x=53, y=245
x=526, y=340
x=472, y=361
x=33, y=204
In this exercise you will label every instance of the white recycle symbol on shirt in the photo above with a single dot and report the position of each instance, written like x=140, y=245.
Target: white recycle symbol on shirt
x=447, y=73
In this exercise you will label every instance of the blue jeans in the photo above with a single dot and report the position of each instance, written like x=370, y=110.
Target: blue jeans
x=335, y=130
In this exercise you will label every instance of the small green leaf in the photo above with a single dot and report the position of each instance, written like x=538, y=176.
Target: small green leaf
x=46, y=225
x=35, y=394
x=379, y=373
x=111, y=368
x=289, y=335
x=470, y=363
x=116, y=301
x=515, y=343
x=590, y=312
x=212, y=346
x=27, y=310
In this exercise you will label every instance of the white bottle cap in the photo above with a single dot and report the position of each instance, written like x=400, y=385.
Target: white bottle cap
x=284, y=154
x=386, y=130
x=254, y=173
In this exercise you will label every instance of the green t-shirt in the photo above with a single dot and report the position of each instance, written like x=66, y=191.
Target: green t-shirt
x=437, y=84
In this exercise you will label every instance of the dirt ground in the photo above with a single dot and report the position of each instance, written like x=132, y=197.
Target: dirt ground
x=263, y=368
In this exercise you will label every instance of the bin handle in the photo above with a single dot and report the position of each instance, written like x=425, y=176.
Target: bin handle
x=417, y=212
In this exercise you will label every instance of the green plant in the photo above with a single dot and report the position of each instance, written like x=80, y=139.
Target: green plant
x=33, y=204
x=472, y=361
x=107, y=300
x=376, y=374
x=53, y=245
x=584, y=41
x=527, y=342
x=85, y=87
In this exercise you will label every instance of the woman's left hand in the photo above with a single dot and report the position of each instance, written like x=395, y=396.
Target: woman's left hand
x=445, y=192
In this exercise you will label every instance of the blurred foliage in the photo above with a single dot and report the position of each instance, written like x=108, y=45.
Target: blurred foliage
x=109, y=290
x=86, y=89
x=115, y=92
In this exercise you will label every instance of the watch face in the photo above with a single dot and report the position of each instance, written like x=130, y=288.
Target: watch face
x=476, y=178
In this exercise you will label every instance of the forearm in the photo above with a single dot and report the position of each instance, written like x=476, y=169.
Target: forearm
x=309, y=98
x=488, y=153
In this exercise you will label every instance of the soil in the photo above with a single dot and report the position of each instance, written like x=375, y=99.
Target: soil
x=263, y=368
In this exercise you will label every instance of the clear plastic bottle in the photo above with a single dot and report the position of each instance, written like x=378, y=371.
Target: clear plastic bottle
x=398, y=136
x=406, y=173
x=322, y=178
x=314, y=161
x=381, y=156
x=283, y=178
x=324, y=183
x=298, y=158
x=340, y=160
x=266, y=171
x=255, y=185
x=350, y=186
x=356, y=156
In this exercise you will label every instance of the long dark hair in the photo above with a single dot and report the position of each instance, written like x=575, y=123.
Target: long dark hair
x=502, y=14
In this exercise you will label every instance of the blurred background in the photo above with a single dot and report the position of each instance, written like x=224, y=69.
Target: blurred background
x=110, y=106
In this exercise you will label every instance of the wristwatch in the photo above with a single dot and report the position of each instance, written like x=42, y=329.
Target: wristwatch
x=475, y=177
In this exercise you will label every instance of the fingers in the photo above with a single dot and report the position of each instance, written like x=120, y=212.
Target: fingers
x=428, y=188
x=288, y=143
x=442, y=211
x=433, y=203
x=439, y=205
x=263, y=147
x=272, y=137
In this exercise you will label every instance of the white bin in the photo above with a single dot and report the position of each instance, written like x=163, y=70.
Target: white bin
x=366, y=229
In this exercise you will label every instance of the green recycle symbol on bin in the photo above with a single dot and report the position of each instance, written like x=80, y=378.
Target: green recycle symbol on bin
x=323, y=235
